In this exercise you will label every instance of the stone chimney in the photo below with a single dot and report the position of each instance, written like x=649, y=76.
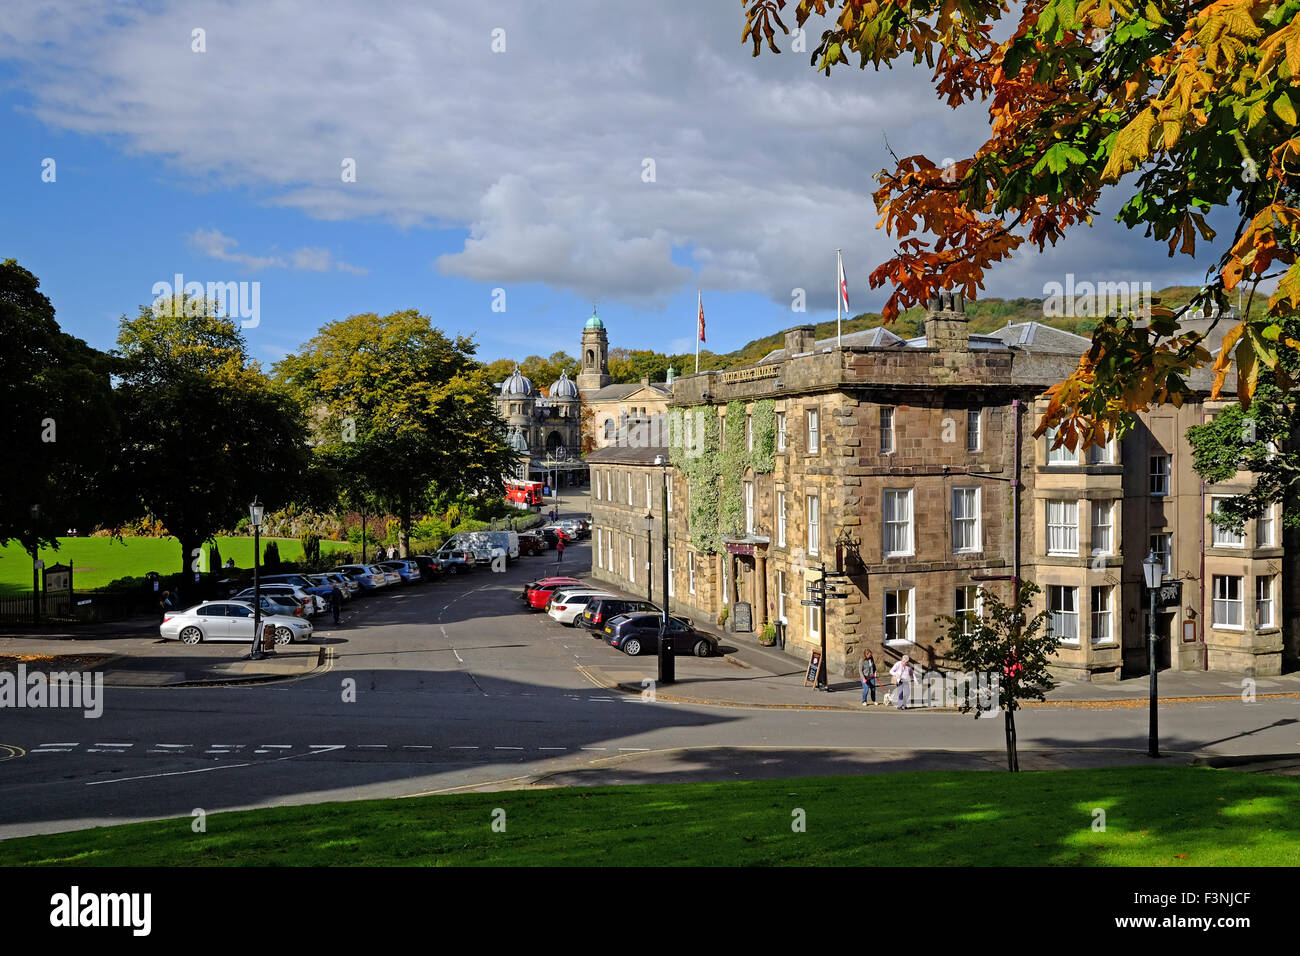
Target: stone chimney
x=798, y=340
x=946, y=325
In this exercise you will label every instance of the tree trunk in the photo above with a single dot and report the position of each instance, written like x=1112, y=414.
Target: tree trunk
x=1013, y=758
x=188, y=544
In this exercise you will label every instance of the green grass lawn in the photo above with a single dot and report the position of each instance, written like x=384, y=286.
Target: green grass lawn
x=1154, y=817
x=97, y=561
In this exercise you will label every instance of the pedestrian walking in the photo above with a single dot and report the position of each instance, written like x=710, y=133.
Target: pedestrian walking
x=554, y=514
x=164, y=605
x=903, y=675
x=867, y=671
x=336, y=603
x=559, y=548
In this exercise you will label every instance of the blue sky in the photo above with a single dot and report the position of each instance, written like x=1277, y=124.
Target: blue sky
x=521, y=170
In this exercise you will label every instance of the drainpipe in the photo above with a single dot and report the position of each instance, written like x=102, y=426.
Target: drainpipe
x=1205, y=645
x=1015, y=509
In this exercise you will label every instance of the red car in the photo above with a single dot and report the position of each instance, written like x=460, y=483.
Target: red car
x=531, y=544
x=539, y=592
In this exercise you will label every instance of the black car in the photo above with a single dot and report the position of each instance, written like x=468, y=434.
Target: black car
x=429, y=569
x=601, y=610
x=549, y=537
x=635, y=634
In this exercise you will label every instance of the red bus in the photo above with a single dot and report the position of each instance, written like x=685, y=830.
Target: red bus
x=525, y=495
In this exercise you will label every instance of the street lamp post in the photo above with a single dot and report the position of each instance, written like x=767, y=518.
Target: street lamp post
x=667, y=666
x=1153, y=571
x=36, y=566
x=255, y=512
x=649, y=558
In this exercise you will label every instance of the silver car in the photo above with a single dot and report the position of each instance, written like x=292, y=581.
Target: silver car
x=312, y=603
x=228, y=620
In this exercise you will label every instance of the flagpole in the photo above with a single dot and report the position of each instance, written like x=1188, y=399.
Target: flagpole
x=839, y=297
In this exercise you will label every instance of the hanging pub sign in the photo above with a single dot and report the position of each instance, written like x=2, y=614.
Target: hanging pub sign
x=1167, y=595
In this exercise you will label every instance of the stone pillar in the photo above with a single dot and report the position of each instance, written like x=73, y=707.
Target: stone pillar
x=761, y=561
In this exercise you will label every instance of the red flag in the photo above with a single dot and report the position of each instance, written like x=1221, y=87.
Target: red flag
x=701, y=316
x=844, y=287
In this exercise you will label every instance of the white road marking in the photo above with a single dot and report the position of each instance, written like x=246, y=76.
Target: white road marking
x=507, y=748
x=61, y=745
x=372, y=746
x=173, y=745
x=174, y=773
x=114, y=745
x=552, y=748
x=594, y=748
x=417, y=746
x=463, y=747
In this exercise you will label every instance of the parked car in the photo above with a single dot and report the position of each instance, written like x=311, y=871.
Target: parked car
x=428, y=566
x=408, y=571
x=635, y=634
x=530, y=543
x=453, y=560
x=300, y=580
x=324, y=581
x=282, y=604
x=349, y=586
x=363, y=575
x=228, y=621
x=538, y=596
x=596, y=613
x=567, y=603
x=551, y=537
x=391, y=575
x=549, y=579
x=313, y=603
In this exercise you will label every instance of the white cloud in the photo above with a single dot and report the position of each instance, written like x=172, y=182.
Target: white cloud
x=216, y=245
x=762, y=167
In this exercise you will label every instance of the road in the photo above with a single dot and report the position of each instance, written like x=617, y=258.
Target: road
x=452, y=685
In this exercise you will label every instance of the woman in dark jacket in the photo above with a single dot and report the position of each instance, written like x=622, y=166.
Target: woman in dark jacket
x=867, y=670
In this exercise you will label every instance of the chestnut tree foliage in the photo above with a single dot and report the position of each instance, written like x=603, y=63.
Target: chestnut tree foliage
x=1185, y=106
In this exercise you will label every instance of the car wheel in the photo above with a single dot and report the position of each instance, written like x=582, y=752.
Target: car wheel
x=191, y=635
x=703, y=648
x=632, y=647
x=283, y=635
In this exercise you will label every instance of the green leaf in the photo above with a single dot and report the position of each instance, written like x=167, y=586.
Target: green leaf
x=1283, y=108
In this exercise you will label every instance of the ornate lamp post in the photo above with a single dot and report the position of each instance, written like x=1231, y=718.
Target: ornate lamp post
x=255, y=513
x=1153, y=571
x=667, y=666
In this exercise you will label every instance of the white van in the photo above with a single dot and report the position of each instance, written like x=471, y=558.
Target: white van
x=508, y=541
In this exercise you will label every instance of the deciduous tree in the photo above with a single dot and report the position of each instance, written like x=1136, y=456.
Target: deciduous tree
x=1185, y=107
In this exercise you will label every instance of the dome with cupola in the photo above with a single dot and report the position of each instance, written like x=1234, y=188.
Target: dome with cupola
x=517, y=385
x=594, y=322
x=564, y=388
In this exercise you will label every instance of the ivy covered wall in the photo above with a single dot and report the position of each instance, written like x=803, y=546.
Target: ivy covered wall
x=713, y=460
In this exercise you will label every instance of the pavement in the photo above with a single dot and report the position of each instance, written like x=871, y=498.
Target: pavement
x=150, y=662
x=770, y=677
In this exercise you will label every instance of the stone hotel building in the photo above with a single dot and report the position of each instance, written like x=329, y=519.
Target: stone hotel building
x=912, y=466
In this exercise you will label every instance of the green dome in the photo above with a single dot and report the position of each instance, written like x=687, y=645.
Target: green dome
x=594, y=323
